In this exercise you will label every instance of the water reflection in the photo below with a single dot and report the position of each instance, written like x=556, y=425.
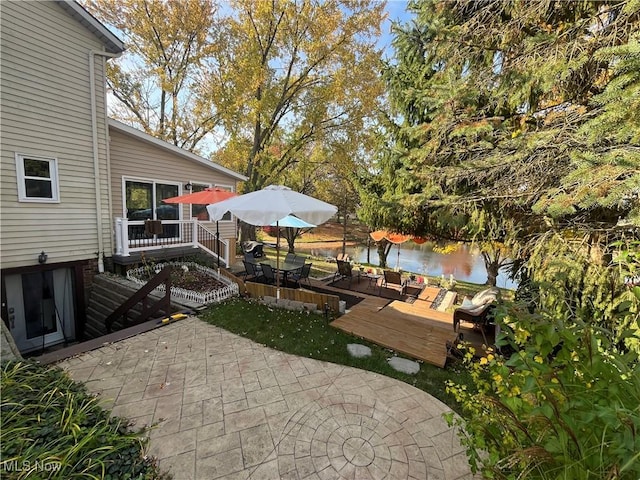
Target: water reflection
x=465, y=263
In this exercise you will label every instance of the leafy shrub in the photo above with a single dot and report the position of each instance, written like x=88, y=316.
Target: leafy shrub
x=52, y=428
x=566, y=404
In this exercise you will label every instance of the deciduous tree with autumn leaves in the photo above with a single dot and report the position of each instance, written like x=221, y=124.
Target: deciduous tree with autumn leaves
x=273, y=81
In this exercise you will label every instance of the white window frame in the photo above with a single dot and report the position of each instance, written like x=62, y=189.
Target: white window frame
x=200, y=184
x=152, y=181
x=231, y=189
x=21, y=178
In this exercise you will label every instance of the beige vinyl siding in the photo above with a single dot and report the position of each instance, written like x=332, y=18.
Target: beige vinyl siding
x=46, y=111
x=133, y=158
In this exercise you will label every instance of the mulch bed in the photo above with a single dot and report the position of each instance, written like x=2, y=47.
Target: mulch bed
x=439, y=297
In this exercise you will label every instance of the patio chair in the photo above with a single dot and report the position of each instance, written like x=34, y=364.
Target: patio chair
x=251, y=270
x=394, y=280
x=477, y=310
x=345, y=270
x=269, y=273
x=290, y=257
x=302, y=274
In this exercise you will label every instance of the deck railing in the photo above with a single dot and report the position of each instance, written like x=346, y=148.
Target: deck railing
x=140, y=235
x=206, y=239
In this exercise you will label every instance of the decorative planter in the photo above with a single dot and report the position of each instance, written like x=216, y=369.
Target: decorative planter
x=226, y=290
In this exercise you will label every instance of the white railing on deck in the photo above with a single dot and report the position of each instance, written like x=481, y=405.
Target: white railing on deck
x=207, y=238
x=131, y=236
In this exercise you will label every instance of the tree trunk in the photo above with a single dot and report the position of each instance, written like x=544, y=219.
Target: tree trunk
x=344, y=235
x=369, y=249
x=247, y=232
x=291, y=234
x=161, y=126
x=493, y=268
x=382, y=254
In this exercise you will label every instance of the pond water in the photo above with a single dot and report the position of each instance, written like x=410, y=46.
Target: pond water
x=465, y=263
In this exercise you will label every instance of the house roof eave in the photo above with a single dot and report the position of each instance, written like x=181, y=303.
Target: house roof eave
x=112, y=43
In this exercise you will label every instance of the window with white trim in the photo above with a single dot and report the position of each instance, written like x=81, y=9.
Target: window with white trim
x=37, y=178
x=227, y=216
x=199, y=211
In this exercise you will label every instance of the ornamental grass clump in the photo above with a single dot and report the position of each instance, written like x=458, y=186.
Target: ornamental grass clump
x=52, y=428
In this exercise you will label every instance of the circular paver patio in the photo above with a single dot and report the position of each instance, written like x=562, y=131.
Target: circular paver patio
x=226, y=407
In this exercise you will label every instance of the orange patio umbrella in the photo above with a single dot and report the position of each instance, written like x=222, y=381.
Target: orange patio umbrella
x=205, y=197
x=396, y=239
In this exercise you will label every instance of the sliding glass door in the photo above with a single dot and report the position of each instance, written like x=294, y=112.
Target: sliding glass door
x=143, y=201
x=41, y=308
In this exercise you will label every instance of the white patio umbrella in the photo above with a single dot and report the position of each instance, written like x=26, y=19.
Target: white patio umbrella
x=272, y=204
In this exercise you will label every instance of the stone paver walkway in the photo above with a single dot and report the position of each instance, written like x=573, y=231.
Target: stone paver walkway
x=226, y=407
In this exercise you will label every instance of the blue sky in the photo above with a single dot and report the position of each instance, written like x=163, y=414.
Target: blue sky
x=397, y=10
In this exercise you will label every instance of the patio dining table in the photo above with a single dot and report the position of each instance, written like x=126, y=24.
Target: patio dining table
x=285, y=267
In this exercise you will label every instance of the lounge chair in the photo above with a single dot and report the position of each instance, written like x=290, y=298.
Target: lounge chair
x=394, y=280
x=477, y=310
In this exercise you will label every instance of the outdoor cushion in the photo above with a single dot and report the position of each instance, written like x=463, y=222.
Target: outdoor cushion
x=467, y=303
x=481, y=305
x=475, y=310
x=485, y=296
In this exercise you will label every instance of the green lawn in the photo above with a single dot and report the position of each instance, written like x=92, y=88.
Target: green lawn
x=309, y=335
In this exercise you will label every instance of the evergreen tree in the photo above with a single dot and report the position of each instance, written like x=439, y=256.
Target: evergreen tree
x=517, y=122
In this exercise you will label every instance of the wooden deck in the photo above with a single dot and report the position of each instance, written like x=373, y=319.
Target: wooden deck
x=413, y=329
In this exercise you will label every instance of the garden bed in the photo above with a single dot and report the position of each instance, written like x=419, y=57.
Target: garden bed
x=189, y=281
